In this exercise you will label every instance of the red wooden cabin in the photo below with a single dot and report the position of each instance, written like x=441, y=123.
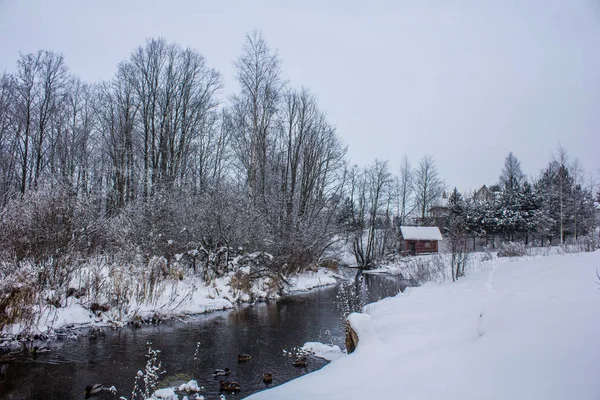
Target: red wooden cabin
x=419, y=239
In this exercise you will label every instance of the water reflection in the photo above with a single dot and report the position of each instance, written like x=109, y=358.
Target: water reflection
x=262, y=330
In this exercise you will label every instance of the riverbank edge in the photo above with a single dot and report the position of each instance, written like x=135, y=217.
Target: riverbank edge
x=299, y=284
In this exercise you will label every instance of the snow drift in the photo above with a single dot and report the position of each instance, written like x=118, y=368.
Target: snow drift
x=522, y=329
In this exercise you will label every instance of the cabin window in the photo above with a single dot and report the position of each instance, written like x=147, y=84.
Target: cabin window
x=427, y=245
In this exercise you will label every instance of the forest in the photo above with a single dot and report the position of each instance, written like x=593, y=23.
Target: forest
x=161, y=173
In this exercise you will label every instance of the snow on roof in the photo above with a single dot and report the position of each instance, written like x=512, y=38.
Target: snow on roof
x=421, y=233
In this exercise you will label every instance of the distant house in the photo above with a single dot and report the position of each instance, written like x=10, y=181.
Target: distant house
x=419, y=239
x=436, y=215
x=440, y=209
x=484, y=194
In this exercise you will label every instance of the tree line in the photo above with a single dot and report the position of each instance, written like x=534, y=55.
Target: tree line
x=158, y=161
x=153, y=162
x=557, y=206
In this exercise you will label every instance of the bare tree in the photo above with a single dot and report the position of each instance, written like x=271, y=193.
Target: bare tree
x=40, y=89
x=26, y=99
x=405, y=190
x=53, y=80
x=8, y=141
x=428, y=185
x=304, y=176
x=512, y=176
x=174, y=94
x=371, y=196
x=255, y=109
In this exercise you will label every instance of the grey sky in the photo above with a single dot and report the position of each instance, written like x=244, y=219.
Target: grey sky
x=466, y=81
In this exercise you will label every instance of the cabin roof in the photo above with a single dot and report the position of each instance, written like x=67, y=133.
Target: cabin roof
x=421, y=233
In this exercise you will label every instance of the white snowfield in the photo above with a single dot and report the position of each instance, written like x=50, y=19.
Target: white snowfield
x=519, y=329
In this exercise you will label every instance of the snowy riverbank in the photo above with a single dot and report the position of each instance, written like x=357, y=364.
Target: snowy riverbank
x=523, y=328
x=170, y=298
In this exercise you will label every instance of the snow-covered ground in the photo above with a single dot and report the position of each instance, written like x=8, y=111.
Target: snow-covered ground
x=325, y=351
x=524, y=328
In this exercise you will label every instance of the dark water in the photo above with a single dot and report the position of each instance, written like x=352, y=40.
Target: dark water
x=262, y=330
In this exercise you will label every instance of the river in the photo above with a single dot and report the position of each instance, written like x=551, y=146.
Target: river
x=263, y=330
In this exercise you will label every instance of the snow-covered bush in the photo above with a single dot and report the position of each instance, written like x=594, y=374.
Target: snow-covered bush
x=533, y=251
x=487, y=254
x=587, y=243
x=427, y=269
x=347, y=300
x=39, y=225
x=146, y=381
x=512, y=249
x=582, y=244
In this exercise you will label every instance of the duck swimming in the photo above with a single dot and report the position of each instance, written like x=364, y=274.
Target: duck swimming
x=40, y=350
x=267, y=377
x=244, y=357
x=232, y=387
x=92, y=390
x=300, y=362
x=222, y=372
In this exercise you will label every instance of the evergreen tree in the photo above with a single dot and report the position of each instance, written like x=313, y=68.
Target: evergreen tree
x=555, y=190
x=582, y=213
x=529, y=210
x=508, y=211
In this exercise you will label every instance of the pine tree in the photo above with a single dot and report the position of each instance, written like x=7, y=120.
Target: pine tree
x=509, y=218
x=582, y=213
x=529, y=210
x=555, y=190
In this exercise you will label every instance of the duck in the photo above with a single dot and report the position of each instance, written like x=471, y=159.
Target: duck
x=222, y=372
x=227, y=386
x=267, y=378
x=244, y=357
x=92, y=390
x=300, y=362
x=40, y=350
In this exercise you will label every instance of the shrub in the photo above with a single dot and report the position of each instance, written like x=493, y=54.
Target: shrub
x=425, y=269
x=18, y=294
x=512, y=249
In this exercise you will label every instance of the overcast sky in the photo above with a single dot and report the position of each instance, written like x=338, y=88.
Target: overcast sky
x=466, y=81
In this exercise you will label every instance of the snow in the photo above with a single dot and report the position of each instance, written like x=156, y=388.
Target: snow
x=165, y=394
x=310, y=280
x=421, y=233
x=327, y=352
x=523, y=328
x=191, y=386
